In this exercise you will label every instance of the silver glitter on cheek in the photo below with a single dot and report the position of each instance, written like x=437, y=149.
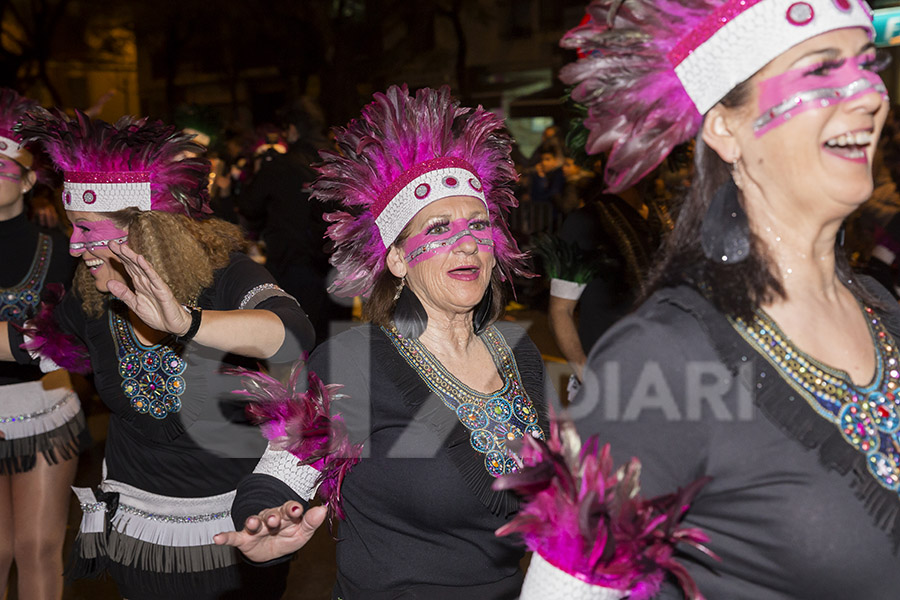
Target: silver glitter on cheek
x=823, y=95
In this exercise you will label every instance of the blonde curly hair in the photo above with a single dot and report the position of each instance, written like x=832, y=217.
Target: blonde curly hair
x=185, y=252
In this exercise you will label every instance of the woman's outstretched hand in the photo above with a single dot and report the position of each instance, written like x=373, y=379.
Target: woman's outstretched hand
x=275, y=532
x=151, y=300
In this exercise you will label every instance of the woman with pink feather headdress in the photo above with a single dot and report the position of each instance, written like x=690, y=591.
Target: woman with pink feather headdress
x=163, y=299
x=41, y=423
x=757, y=361
x=433, y=391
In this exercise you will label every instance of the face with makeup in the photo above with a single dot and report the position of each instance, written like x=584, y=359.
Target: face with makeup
x=448, y=256
x=91, y=234
x=15, y=181
x=806, y=137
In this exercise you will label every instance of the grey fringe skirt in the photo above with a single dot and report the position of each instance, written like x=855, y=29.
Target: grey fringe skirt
x=36, y=420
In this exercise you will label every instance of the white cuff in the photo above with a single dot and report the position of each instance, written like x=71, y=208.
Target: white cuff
x=567, y=290
x=282, y=465
x=47, y=365
x=543, y=581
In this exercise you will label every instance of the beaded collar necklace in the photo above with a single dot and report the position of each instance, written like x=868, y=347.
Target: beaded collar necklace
x=492, y=419
x=151, y=375
x=868, y=416
x=18, y=301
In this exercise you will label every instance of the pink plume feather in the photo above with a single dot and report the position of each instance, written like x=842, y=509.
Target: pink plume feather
x=302, y=424
x=178, y=184
x=48, y=340
x=585, y=517
x=638, y=111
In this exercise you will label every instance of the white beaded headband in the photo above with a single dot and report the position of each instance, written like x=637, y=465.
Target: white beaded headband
x=742, y=36
x=106, y=192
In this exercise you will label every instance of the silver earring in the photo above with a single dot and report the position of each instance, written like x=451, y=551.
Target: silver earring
x=736, y=175
x=400, y=288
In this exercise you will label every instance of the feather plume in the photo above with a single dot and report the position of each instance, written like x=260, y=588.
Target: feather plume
x=178, y=177
x=302, y=424
x=395, y=132
x=638, y=111
x=587, y=518
x=48, y=340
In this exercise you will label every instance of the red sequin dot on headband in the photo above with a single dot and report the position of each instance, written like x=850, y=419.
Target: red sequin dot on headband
x=842, y=5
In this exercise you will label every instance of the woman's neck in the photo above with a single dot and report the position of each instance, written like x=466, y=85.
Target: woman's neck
x=450, y=334
x=801, y=249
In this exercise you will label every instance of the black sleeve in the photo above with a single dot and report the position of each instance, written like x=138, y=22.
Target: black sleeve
x=246, y=284
x=634, y=397
x=348, y=360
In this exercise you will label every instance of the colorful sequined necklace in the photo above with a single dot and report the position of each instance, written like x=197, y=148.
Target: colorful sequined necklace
x=19, y=301
x=492, y=419
x=867, y=416
x=151, y=375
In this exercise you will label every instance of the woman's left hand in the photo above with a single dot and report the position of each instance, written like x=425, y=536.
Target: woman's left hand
x=151, y=300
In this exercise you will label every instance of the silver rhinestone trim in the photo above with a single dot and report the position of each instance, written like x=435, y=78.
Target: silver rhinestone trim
x=90, y=507
x=34, y=415
x=260, y=288
x=172, y=518
x=836, y=94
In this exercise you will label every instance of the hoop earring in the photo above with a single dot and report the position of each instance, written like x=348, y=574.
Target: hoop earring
x=410, y=318
x=725, y=231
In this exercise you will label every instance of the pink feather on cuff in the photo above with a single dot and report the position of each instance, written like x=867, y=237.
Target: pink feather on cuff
x=586, y=518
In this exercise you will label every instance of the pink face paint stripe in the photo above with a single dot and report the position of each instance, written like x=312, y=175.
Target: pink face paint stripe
x=427, y=245
x=99, y=233
x=783, y=96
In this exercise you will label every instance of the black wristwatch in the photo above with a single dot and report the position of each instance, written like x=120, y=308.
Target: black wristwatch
x=196, y=314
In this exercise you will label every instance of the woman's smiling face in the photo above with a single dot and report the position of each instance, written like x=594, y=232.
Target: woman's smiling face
x=91, y=234
x=819, y=152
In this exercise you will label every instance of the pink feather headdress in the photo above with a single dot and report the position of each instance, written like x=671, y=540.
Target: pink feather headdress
x=134, y=163
x=651, y=68
x=12, y=108
x=403, y=153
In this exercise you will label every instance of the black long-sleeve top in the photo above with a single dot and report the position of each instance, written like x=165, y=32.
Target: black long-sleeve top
x=208, y=446
x=19, y=239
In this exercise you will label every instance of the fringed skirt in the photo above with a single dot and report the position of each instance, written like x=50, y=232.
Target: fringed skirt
x=157, y=547
x=38, y=420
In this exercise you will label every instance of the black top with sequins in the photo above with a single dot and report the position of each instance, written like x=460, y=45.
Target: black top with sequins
x=800, y=504
x=32, y=258
x=421, y=513
x=205, y=445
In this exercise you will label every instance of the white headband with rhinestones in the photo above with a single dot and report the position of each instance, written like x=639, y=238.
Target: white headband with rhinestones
x=106, y=192
x=11, y=148
x=742, y=36
x=418, y=187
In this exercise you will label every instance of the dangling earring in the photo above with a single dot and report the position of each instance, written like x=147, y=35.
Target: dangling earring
x=725, y=232
x=735, y=174
x=481, y=318
x=410, y=318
